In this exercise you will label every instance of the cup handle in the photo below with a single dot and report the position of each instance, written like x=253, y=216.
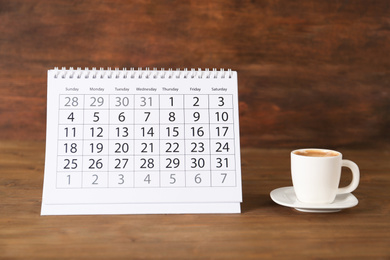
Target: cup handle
x=355, y=177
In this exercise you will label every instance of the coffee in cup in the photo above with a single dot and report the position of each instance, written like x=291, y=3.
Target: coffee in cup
x=316, y=153
x=316, y=175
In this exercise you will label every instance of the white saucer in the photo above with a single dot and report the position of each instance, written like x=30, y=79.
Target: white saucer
x=286, y=197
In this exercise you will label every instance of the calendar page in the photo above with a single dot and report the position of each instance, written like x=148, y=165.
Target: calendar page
x=142, y=142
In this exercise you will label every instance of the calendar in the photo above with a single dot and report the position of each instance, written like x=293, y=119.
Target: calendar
x=140, y=141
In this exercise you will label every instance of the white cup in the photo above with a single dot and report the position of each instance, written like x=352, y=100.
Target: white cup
x=316, y=175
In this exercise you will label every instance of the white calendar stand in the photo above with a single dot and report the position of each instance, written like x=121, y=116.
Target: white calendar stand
x=142, y=142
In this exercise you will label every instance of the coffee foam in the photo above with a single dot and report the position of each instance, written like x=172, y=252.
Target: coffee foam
x=316, y=153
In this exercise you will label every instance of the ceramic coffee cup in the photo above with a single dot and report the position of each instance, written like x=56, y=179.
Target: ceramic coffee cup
x=316, y=175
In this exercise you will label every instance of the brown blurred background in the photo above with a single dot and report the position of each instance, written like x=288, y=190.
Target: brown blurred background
x=311, y=73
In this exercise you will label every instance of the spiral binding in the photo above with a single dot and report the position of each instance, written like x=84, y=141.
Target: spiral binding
x=140, y=73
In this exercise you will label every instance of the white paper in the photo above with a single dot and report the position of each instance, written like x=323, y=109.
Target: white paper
x=142, y=142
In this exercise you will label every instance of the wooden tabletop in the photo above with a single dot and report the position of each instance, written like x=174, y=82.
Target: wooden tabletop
x=263, y=230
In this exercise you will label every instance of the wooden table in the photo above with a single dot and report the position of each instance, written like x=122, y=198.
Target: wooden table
x=264, y=230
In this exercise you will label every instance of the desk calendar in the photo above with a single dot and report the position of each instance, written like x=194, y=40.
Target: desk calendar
x=142, y=142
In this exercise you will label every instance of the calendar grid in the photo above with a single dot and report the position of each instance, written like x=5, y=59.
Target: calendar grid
x=184, y=145
x=219, y=135
x=234, y=145
x=209, y=125
x=108, y=155
x=82, y=146
x=159, y=140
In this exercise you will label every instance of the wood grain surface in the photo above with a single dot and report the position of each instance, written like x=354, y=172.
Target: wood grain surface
x=264, y=230
x=311, y=73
